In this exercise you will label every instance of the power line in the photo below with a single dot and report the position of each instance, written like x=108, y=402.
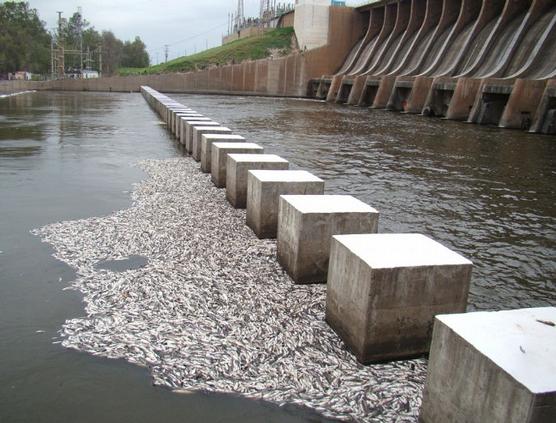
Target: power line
x=188, y=38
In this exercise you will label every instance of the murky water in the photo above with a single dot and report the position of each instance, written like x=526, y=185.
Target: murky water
x=70, y=156
x=485, y=192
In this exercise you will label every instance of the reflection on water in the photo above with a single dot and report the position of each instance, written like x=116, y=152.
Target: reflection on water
x=488, y=193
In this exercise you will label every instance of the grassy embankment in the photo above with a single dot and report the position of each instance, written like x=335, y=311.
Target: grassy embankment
x=258, y=47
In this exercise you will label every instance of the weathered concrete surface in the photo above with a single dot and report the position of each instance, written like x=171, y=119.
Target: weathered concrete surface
x=311, y=23
x=172, y=113
x=383, y=291
x=206, y=147
x=199, y=131
x=306, y=224
x=183, y=127
x=219, y=158
x=495, y=367
x=177, y=121
x=189, y=132
x=237, y=167
x=264, y=188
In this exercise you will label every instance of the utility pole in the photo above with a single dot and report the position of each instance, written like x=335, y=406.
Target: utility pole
x=52, y=57
x=80, y=31
x=206, y=44
x=100, y=60
x=61, y=67
x=166, y=52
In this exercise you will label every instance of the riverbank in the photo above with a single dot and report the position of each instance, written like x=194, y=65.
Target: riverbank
x=277, y=42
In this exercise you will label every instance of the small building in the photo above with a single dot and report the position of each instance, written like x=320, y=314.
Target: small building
x=89, y=74
x=20, y=76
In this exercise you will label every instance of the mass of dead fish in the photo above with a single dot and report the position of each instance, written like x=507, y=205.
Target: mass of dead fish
x=212, y=310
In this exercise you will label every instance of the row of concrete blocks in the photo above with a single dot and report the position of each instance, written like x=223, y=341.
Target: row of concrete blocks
x=384, y=291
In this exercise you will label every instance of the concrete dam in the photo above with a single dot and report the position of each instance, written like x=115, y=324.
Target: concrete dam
x=481, y=61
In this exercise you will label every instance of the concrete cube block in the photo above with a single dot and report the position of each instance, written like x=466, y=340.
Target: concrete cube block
x=199, y=131
x=495, y=367
x=189, y=132
x=206, y=147
x=383, y=291
x=264, y=188
x=237, y=166
x=177, y=123
x=172, y=113
x=184, y=120
x=306, y=224
x=219, y=158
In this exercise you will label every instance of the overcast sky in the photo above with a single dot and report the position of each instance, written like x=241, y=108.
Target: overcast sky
x=186, y=25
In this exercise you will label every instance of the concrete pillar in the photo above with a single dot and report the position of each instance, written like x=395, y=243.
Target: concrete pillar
x=523, y=103
x=206, y=147
x=264, y=188
x=463, y=98
x=184, y=119
x=198, y=131
x=237, y=166
x=495, y=367
x=219, y=159
x=306, y=224
x=189, y=132
x=383, y=291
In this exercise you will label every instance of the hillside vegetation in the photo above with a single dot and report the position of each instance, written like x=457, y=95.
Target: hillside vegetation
x=276, y=41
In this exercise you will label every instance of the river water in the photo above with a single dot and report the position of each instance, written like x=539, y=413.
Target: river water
x=484, y=192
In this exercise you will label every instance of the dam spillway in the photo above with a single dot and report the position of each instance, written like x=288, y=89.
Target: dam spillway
x=481, y=61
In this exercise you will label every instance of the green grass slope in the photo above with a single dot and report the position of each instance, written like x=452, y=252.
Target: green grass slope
x=252, y=48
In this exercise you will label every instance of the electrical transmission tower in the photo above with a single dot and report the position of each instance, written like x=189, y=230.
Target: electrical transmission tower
x=265, y=8
x=166, y=52
x=240, y=16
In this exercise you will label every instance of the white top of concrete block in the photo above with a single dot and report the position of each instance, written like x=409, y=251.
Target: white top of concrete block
x=328, y=204
x=285, y=176
x=212, y=128
x=246, y=158
x=223, y=137
x=235, y=145
x=521, y=342
x=196, y=123
x=195, y=118
x=387, y=251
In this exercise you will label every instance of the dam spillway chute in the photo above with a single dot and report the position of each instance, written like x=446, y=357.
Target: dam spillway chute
x=484, y=61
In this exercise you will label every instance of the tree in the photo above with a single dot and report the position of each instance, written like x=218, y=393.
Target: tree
x=134, y=54
x=111, y=52
x=24, y=41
